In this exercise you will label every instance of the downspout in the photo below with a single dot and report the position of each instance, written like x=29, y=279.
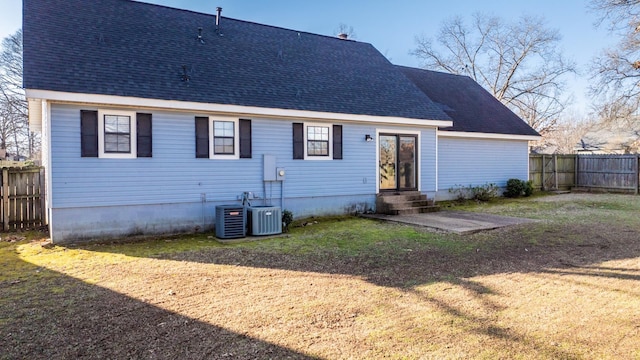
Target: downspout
x=282, y=194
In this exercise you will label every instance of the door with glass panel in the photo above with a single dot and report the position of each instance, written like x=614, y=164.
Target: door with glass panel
x=398, y=162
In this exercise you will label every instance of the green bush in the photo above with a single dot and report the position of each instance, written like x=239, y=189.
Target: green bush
x=528, y=188
x=460, y=192
x=484, y=192
x=516, y=188
x=287, y=219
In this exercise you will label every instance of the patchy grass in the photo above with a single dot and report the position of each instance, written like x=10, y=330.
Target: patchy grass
x=342, y=288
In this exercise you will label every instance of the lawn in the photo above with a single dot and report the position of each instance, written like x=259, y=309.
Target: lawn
x=565, y=287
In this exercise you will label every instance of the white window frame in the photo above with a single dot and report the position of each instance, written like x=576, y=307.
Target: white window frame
x=316, y=157
x=133, y=149
x=236, y=138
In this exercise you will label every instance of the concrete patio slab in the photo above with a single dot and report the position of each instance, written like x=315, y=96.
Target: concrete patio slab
x=459, y=222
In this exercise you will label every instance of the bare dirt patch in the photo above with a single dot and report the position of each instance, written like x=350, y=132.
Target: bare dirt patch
x=565, y=287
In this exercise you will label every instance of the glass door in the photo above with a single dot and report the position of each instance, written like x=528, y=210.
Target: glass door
x=398, y=162
x=388, y=162
x=407, y=163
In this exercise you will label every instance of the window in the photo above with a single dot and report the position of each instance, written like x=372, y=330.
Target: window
x=222, y=138
x=317, y=141
x=115, y=134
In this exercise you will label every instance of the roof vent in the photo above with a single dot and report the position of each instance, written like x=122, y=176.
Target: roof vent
x=199, y=38
x=343, y=36
x=218, y=28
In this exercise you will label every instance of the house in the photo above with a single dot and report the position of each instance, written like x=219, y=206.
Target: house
x=151, y=116
x=614, y=137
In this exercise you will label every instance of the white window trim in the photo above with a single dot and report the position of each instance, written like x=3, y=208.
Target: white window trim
x=236, y=138
x=320, y=158
x=133, y=135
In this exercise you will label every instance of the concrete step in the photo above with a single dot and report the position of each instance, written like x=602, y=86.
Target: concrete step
x=411, y=202
x=406, y=204
x=414, y=210
x=396, y=193
x=401, y=198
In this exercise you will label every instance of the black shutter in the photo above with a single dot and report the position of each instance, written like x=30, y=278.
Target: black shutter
x=337, y=142
x=245, y=138
x=202, y=137
x=88, y=133
x=143, y=134
x=298, y=141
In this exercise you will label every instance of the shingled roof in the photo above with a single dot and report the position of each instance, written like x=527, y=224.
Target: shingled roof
x=472, y=108
x=134, y=49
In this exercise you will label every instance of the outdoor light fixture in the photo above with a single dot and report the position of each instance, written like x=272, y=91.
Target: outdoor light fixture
x=368, y=138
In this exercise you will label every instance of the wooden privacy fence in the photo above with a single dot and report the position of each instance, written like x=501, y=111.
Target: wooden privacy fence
x=597, y=172
x=555, y=172
x=22, y=195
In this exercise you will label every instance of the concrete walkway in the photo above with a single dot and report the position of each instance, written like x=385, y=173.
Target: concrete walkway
x=459, y=222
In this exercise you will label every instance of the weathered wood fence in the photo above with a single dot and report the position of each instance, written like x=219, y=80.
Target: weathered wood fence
x=589, y=172
x=22, y=194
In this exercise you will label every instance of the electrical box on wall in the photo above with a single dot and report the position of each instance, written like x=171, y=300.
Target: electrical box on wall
x=269, y=168
x=280, y=174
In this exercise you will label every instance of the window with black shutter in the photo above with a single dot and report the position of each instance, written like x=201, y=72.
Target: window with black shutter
x=144, y=135
x=202, y=137
x=245, y=138
x=89, y=133
x=298, y=141
x=337, y=142
x=317, y=141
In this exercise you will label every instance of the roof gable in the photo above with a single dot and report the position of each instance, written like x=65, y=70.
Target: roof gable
x=472, y=108
x=128, y=48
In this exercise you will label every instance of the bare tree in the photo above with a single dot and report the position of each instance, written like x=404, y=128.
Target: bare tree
x=569, y=130
x=616, y=71
x=519, y=62
x=11, y=72
x=346, y=30
x=15, y=136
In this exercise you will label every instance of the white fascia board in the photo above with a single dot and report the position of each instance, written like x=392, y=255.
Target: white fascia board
x=475, y=135
x=112, y=100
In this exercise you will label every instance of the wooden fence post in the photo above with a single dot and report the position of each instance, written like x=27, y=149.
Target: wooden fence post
x=576, y=170
x=44, y=217
x=5, y=198
x=555, y=171
x=637, y=177
x=543, y=177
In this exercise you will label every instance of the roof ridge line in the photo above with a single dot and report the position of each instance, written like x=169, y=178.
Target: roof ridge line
x=243, y=21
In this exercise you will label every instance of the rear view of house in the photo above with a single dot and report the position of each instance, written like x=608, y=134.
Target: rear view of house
x=151, y=116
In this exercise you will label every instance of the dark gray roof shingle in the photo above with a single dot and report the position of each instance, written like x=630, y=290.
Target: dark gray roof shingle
x=128, y=48
x=472, y=108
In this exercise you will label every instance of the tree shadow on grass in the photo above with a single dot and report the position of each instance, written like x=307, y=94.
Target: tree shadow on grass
x=514, y=250
x=47, y=315
x=517, y=249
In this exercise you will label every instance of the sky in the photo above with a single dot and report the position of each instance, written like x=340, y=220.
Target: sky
x=392, y=26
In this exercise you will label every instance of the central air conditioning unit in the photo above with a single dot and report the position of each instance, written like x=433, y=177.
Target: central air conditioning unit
x=231, y=221
x=264, y=220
